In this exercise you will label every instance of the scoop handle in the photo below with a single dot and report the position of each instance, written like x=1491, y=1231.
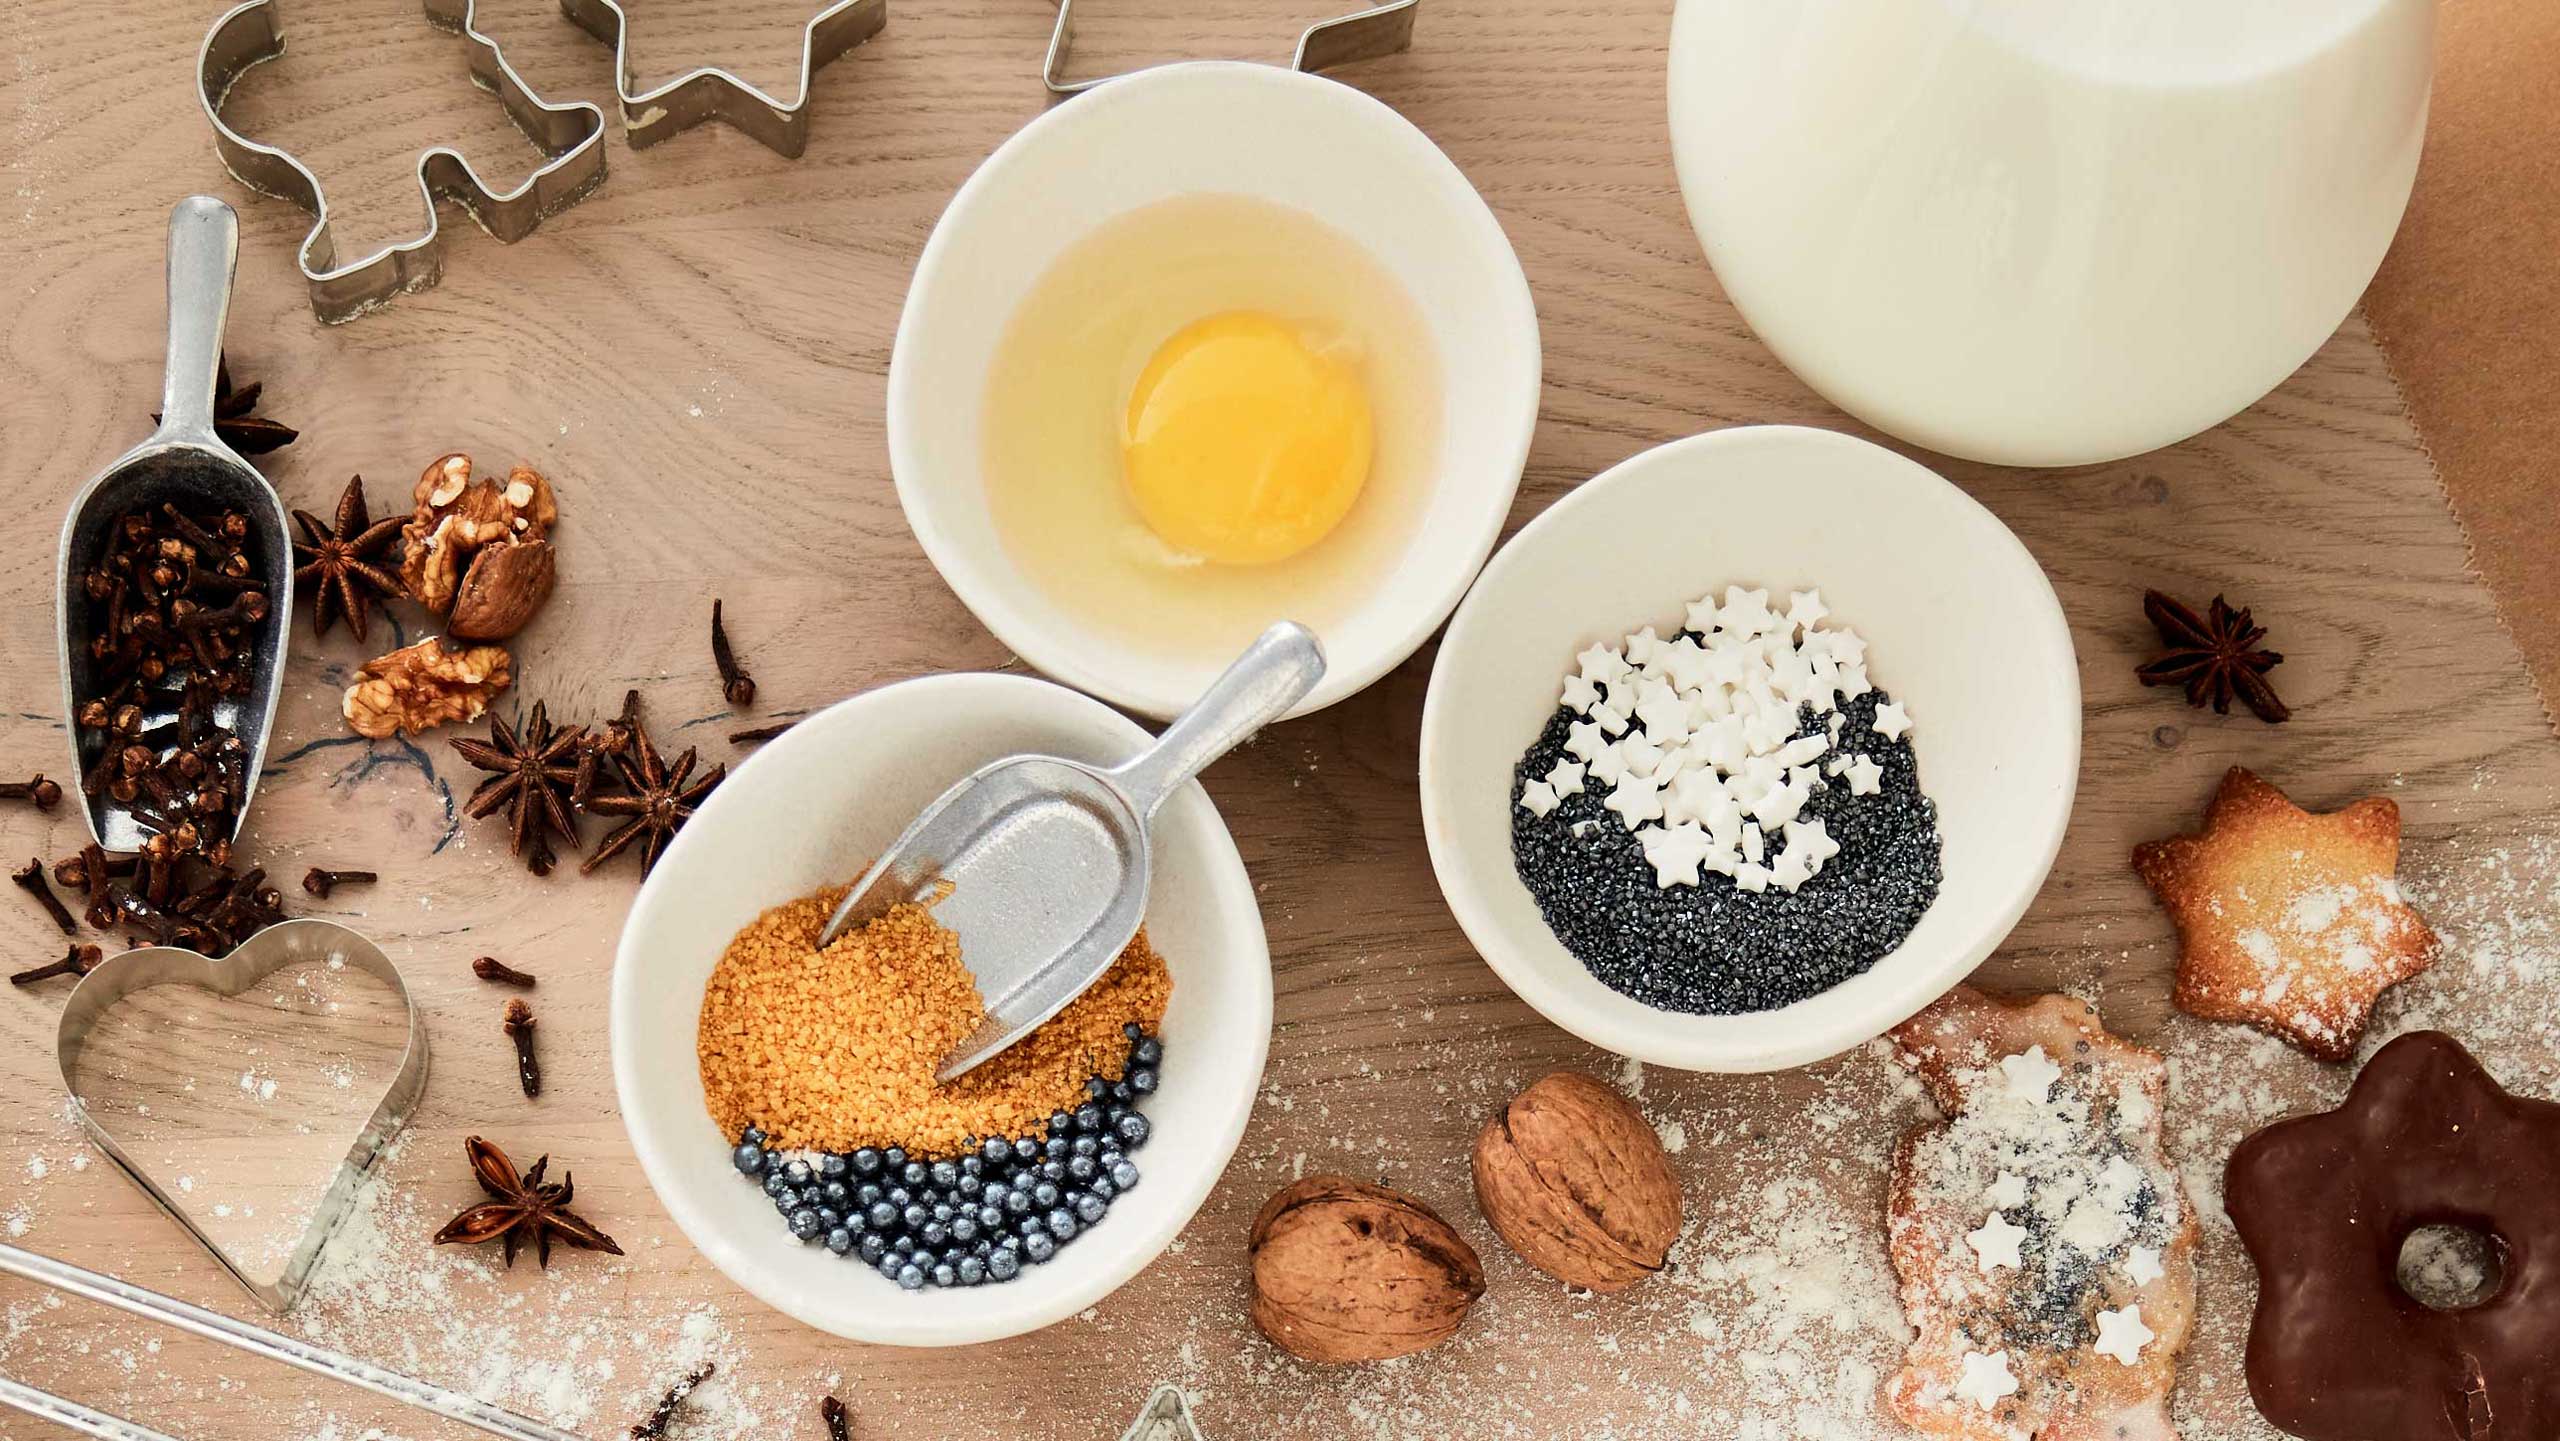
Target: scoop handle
x=204, y=250
x=1273, y=674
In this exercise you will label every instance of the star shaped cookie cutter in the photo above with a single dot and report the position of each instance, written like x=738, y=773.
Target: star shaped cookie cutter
x=571, y=135
x=710, y=93
x=1362, y=35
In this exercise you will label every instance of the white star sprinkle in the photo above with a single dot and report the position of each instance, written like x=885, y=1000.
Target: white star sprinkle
x=1585, y=741
x=2122, y=1335
x=1602, y=665
x=2009, y=1190
x=1537, y=798
x=1676, y=852
x=1609, y=718
x=2142, y=1264
x=1644, y=649
x=1891, y=721
x=2031, y=1074
x=1805, y=608
x=1636, y=799
x=1986, y=1379
x=1751, y=876
x=1565, y=779
x=1865, y=777
x=1580, y=695
x=1995, y=1243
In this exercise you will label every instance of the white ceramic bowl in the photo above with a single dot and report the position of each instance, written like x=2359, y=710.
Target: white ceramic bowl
x=1962, y=627
x=811, y=809
x=1280, y=136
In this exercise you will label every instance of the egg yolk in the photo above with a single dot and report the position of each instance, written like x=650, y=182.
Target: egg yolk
x=1243, y=444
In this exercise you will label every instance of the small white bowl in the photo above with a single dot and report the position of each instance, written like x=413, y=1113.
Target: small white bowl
x=1962, y=626
x=1279, y=136
x=810, y=810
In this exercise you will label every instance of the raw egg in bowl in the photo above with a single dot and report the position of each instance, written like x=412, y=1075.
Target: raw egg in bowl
x=1210, y=346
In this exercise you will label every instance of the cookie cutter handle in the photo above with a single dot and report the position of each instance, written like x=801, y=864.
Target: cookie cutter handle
x=204, y=252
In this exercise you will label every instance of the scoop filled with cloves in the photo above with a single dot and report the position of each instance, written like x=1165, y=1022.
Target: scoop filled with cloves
x=176, y=594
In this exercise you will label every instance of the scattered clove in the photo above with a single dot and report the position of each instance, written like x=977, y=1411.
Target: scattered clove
x=31, y=877
x=656, y=1426
x=839, y=1421
x=519, y=1028
x=80, y=960
x=490, y=968
x=760, y=733
x=320, y=880
x=735, y=683
x=42, y=792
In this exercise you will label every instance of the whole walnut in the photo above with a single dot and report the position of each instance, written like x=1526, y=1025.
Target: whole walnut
x=459, y=527
x=1346, y=1271
x=1572, y=1178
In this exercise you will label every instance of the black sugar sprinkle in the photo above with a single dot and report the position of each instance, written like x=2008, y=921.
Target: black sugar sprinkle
x=1713, y=948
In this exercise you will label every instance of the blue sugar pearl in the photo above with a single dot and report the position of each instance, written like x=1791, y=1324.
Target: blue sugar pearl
x=1143, y=1080
x=997, y=1151
x=1148, y=1052
x=797, y=1173
x=1121, y=1093
x=972, y=1271
x=910, y=1277
x=831, y=1215
x=1017, y=1202
x=965, y=1228
x=1124, y=1175
x=945, y=1174
x=1037, y=1247
x=899, y=1196
x=1055, y=1149
x=916, y=1217
x=990, y=1218
x=1081, y=1168
x=1044, y=1195
x=774, y=1185
x=1025, y=1149
x=946, y=1274
x=832, y=1168
x=1061, y=1223
x=1096, y=1089
x=934, y=1233
x=1089, y=1117
x=1085, y=1146
x=868, y=1192
x=914, y=1173
x=972, y=1185
x=1133, y=1130
x=754, y=1136
x=840, y=1241
x=894, y=1157
x=1089, y=1208
x=1132, y=1030
x=749, y=1159
x=871, y=1248
x=836, y=1193
x=1053, y=1171
x=943, y=1211
x=1112, y=1113
x=866, y=1162
x=881, y=1216
x=1101, y=1186
x=804, y=1224
x=1004, y=1265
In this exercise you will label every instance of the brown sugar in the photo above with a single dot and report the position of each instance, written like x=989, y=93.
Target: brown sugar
x=835, y=1050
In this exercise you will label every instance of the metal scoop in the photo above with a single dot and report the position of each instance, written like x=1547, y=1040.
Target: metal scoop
x=1040, y=864
x=183, y=461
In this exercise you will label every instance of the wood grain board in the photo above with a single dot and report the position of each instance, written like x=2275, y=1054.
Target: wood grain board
x=697, y=355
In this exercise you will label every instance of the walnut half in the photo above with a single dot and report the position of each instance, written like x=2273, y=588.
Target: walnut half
x=458, y=526
x=420, y=687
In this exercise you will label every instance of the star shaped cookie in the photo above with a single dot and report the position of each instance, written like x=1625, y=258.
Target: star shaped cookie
x=2288, y=921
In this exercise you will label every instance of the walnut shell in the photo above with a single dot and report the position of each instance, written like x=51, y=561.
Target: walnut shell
x=501, y=590
x=1345, y=1271
x=1572, y=1178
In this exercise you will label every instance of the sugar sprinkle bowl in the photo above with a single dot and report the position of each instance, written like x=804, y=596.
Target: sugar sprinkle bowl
x=807, y=812
x=1940, y=640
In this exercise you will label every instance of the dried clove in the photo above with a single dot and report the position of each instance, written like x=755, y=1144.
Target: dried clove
x=31, y=877
x=320, y=880
x=760, y=733
x=490, y=968
x=519, y=1028
x=839, y=1421
x=44, y=793
x=735, y=683
x=656, y=1426
x=80, y=960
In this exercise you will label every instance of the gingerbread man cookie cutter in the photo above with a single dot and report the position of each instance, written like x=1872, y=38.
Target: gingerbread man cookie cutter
x=571, y=135
x=710, y=93
x=1380, y=30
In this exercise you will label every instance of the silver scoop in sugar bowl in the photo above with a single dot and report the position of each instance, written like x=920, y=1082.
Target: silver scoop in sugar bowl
x=176, y=591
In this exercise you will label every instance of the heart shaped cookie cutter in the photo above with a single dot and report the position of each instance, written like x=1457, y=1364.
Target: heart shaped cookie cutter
x=297, y=942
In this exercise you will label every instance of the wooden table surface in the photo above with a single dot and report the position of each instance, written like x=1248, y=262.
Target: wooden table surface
x=697, y=356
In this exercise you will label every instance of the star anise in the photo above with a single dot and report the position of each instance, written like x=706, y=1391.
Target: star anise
x=232, y=422
x=2216, y=656
x=339, y=563
x=522, y=1206
x=655, y=796
x=528, y=773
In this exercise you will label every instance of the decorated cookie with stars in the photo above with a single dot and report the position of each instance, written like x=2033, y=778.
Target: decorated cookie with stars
x=2045, y=1248
x=2288, y=920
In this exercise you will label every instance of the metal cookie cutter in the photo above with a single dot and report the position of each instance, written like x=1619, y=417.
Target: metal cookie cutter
x=1363, y=35
x=571, y=135
x=1167, y=1417
x=305, y=941
x=710, y=93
